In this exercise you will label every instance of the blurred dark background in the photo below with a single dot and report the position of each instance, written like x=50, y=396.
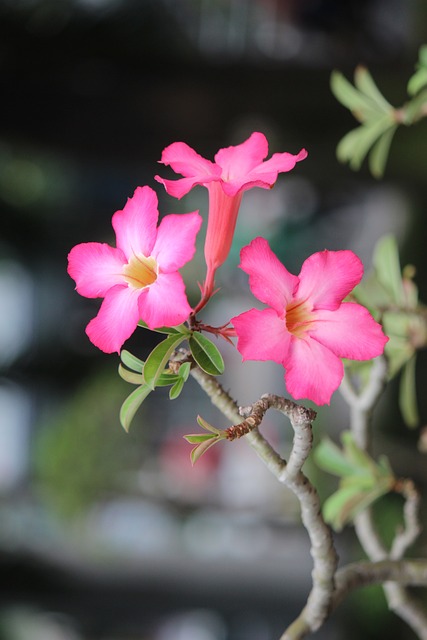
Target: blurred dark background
x=113, y=536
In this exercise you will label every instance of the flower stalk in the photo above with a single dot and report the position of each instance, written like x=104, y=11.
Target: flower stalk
x=290, y=475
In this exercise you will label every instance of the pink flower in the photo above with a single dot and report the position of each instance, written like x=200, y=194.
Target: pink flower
x=235, y=170
x=138, y=278
x=307, y=327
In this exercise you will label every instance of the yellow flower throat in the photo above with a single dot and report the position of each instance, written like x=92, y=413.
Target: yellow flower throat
x=140, y=271
x=299, y=318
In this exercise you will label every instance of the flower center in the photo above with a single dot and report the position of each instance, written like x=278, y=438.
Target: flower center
x=298, y=318
x=140, y=271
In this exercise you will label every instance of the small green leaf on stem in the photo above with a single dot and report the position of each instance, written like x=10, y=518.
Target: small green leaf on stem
x=131, y=362
x=130, y=376
x=181, y=328
x=408, y=394
x=363, y=480
x=206, y=355
x=131, y=405
x=158, y=358
x=387, y=267
x=176, y=389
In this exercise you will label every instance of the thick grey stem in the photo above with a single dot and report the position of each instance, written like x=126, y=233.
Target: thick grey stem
x=361, y=408
x=322, y=548
x=362, y=574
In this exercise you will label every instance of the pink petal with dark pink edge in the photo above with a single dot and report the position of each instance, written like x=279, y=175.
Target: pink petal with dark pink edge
x=350, y=332
x=237, y=161
x=327, y=277
x=96, y=268
x=116, y=320
x=269, y=280
x=176, y=240
x=262, y=335
x=136, y=224
x=313, y=372
x=164, y=303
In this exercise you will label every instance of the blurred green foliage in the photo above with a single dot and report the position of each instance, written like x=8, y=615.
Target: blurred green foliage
x=378, y=119
x=81, y=455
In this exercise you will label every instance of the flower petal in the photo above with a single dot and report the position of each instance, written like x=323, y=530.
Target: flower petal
x=269, y=280
x=116, y=320
x=327, y=277
x=262, y=335
x=265, y=174
x=237, y=161
x=195, y=169
x=176, y=240
x=312, y=371
x=350, y=332
x=164, y=303
x=179, y=188
x=223, y=212
x=96, y=267
x=136, y=224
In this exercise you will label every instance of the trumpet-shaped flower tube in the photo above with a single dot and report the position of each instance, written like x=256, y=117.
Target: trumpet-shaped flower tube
x=138, y=278
x=306, y=326
x=236, y=169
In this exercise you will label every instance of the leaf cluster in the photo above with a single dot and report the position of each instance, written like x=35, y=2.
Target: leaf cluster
x=391, y=296
x=362, y=480
x=378, y=119
x=156, y=372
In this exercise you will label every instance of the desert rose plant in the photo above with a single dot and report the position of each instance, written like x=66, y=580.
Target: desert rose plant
x=329, y=329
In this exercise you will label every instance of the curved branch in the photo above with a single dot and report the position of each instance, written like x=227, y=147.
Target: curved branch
x=321, y=542
x=398, y=599
x=363, y=574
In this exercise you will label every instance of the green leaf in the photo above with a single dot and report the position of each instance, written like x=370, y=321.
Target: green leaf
x=398, y=351
x=372, y=294
x=196, y=438
x=357, y=456
x=131, y=405
x=349, y=97
x=342, y=506
x=356, y=144
x=417, y=81
x=181, y=328
x=158, y=358
x=130, y=376
x=331, y=458
x=408, y=394
x=410, y=289
x=387, y=266
x=165, y=379
x=176, y=389
x=379, y=153
x=131, y=361
x=338, y=507
x=201, y=448
x=184, y=371
x=206, y=354
x=414, y=110
x=208, y=427
x=365, y=83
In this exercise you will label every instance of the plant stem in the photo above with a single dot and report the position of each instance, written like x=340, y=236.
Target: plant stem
x=361, y=408
x=289, y=474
